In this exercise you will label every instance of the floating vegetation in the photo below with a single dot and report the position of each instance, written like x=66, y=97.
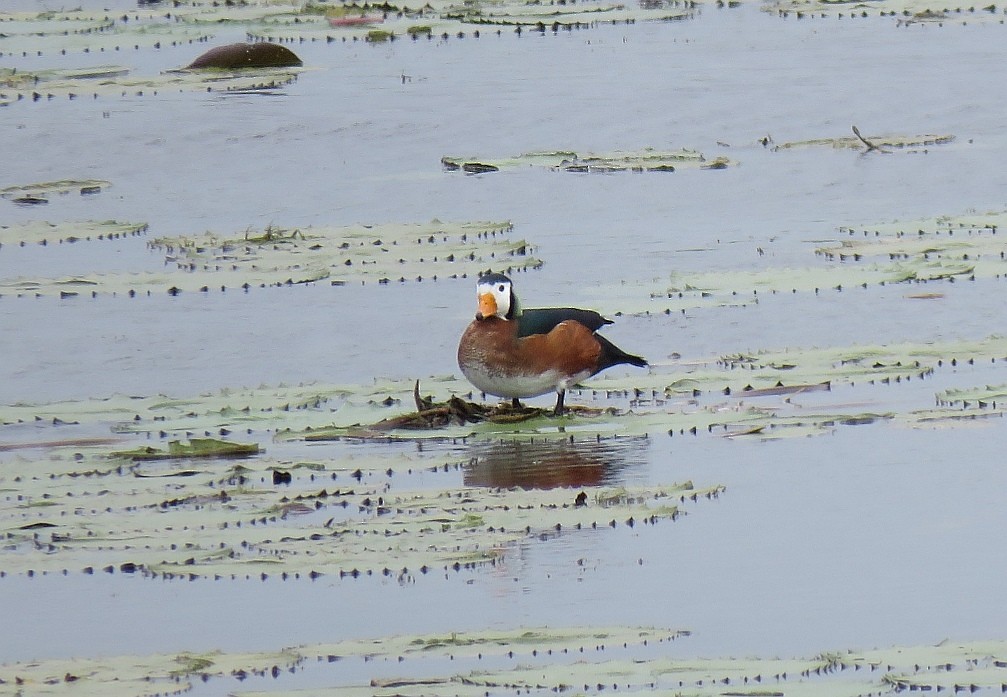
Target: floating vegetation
x=938, y=235
x=139, y=676
x=196, y=448
x=382, y=253
x=43, y=233
x=94, y=31
x=110, y=81
x=446, y=18
x=102, y=32
x=984, y=397
x=79, y=500
x=905, y=12
x=456, y=411
x=260, y=409
x=643, y=663
x=46, y=190
x=880, y=143
x=646, y=160
x=553, y=17
x=267, y=518
x=964, y=247
x=945, y=249
x=390, y=253
x=955, y=406
x=537, y=661
x=733, y=288
x=759, y=393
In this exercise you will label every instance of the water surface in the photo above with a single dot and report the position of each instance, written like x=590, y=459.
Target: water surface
x=867, y=536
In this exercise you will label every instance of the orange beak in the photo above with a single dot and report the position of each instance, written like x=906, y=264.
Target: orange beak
x=487, y=306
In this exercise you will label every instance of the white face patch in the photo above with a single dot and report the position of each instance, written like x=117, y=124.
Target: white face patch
x=501, y=291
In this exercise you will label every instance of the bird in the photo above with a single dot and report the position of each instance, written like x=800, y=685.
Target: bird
x=512, y=352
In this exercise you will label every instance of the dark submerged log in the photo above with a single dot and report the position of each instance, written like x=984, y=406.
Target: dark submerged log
x=237, y=56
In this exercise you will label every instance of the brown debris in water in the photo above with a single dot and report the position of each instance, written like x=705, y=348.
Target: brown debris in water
x=870, y=146
x=456, y=411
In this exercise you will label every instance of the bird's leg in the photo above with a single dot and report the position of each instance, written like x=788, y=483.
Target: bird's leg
x=516, y=404
x=558, y=411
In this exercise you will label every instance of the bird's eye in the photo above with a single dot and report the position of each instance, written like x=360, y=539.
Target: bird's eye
x=501, y=287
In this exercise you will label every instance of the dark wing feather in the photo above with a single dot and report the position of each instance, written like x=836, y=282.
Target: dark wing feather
x=613, y=355
x=542, y=320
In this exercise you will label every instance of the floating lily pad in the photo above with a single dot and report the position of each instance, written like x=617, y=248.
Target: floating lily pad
x=115, y=81
x=195, y=449
x=873, y=143
x=902, y=11
x=916, y=237
x=742, y=393
x=918, y=252
x=741, y=287
x=342, y=511
x=647, y=160
x=230, y=520
x=445, y=18
x=966, y=245
x=55, y=188
x=975, y=397
x=384, y=253
x=95, y=31
x=88, y=505
x=391, y=253
x=41, y=232
x=262, y=408
x=126, y=676
x=101, y=31
x=535, y=661
x=848, y=673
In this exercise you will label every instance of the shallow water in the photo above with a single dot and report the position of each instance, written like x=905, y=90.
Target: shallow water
x=871, y=535
x=868, y=544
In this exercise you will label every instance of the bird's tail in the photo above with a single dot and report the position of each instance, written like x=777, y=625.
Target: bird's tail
x=613, y=355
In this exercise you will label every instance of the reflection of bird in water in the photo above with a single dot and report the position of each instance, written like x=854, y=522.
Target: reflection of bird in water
x=515, y=353
x=548, y=464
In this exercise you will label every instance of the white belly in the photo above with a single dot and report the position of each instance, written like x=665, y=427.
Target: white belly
x=520, y=386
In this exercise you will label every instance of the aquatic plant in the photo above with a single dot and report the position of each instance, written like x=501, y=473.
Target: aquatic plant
x=533, y=660
x=646, y=160
x=382, y=254
x=43, y=233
